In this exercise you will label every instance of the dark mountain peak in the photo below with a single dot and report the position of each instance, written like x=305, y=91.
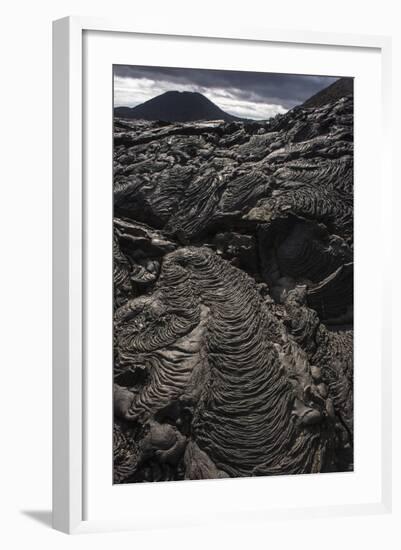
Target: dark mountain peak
x=181, y=93
x=338, y=89
x=192, y=98
x=176, y=106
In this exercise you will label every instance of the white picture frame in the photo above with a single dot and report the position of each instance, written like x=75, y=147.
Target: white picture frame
x=70, y=257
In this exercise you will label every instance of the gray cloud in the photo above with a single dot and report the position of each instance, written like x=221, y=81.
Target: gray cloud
x=245, y=94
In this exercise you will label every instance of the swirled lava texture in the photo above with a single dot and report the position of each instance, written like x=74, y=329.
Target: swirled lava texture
x=233, y=296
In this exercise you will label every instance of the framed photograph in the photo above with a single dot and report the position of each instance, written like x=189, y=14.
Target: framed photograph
x=220, y=325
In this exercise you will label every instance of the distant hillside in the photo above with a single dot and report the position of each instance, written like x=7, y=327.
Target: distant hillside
x=340, y=88
x=176, y=107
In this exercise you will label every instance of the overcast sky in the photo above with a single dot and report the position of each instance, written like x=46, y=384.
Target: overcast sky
x=243, y=94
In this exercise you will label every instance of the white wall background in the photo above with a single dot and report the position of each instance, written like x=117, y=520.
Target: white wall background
x=25, y=123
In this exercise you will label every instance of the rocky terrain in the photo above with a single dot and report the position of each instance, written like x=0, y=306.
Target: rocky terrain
x=233, y=294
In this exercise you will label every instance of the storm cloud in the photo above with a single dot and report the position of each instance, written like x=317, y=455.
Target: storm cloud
x=245, y=94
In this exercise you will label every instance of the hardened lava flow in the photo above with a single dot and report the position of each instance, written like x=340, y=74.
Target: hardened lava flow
x=233, y=296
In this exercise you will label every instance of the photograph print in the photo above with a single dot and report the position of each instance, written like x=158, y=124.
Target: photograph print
x=233, y=274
